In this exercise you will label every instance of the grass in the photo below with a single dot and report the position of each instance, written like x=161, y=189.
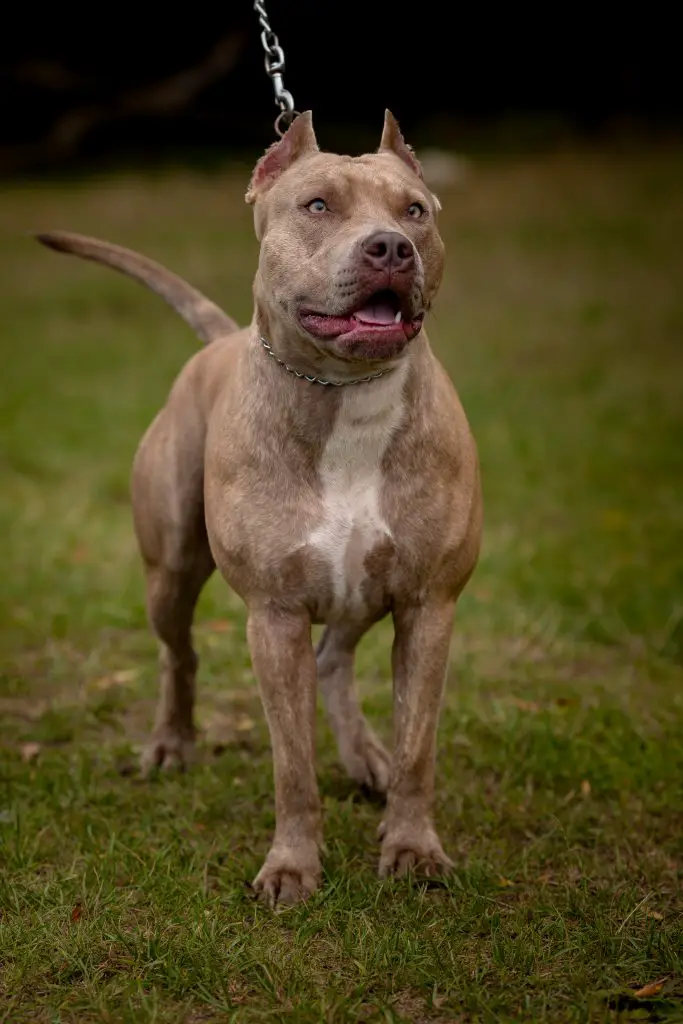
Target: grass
x=560, y=770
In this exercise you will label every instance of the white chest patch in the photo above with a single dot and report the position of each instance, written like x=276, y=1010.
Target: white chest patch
x=351, y=523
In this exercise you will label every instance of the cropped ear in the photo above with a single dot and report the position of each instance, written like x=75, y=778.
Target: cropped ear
x=298, y=140
x=393, y=142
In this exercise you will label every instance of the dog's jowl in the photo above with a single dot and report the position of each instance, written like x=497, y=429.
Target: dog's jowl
x=321, y=460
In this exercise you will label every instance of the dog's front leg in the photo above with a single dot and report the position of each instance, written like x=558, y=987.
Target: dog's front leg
x=419, y=661
x=284, y=664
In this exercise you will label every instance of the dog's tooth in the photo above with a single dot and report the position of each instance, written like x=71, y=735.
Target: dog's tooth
x=398, y=317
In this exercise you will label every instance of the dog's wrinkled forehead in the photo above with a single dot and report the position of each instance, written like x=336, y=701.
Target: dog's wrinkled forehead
x=349, y=183
x=294, y=167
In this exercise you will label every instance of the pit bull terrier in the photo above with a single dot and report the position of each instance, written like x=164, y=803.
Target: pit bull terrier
x=321, y=459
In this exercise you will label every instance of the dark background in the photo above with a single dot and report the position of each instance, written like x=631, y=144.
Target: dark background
x=120, y=82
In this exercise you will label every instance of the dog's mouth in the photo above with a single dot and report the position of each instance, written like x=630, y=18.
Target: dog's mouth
x=381, y=317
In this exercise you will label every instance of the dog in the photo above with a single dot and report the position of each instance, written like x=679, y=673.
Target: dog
x=321, y=459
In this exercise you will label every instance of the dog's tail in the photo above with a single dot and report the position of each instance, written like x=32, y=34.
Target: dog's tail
x=205, y=318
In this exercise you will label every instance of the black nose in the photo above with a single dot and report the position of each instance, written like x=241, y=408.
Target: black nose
x=389, y=250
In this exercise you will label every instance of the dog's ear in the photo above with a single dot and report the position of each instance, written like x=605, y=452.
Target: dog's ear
x=393, y=142
x=298, y=140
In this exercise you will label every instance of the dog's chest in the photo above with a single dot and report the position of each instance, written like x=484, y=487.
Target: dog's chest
x=351, y=532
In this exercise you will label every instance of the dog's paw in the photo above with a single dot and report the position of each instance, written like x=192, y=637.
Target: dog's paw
x=290, y=875
x=368, y=762
x=412, y=849
x=167, y=750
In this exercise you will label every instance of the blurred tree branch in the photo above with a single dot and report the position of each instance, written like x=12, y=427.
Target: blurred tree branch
x=164, y=98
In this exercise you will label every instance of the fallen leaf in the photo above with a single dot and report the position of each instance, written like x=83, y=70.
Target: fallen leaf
x=504, y=882
x=30, y=751
x=460, y=740
x=126, y=675
x=437, y=1000
x=655, y=913
x=77, y=913
x=219, y=626
x=121, y=678
x=651, y=989
x=526, y=705
x=585, y=788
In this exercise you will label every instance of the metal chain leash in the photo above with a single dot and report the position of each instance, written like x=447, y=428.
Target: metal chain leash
x=275, y=66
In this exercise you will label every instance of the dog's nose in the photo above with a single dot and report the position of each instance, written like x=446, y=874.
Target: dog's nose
x=389, y=250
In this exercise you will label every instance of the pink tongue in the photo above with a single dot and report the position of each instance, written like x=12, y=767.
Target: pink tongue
x=376, y=313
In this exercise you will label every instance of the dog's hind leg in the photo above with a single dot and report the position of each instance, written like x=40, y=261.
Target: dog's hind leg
x=171, y=599
x=360, y=750
x=168, y=506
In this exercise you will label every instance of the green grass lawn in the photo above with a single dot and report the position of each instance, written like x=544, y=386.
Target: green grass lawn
x=560, y=772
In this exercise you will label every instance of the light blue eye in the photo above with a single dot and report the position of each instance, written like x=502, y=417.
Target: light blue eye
x=416, y=210
x=317, y=206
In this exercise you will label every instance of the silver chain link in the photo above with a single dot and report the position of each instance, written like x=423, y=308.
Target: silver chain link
x=319, y=380
x=275, y=67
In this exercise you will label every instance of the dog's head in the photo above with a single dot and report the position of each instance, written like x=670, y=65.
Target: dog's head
x=351, y=257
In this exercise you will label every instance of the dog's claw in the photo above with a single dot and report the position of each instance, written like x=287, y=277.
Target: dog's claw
x=419, y=852
x=287, y=877
x=168, y=752
x=370, y=766
x=285, y=888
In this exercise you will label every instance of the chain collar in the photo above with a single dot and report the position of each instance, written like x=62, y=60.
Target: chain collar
x=319, y=380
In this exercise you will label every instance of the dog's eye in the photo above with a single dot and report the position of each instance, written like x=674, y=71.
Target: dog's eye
x=317, y=206
x=416, y=210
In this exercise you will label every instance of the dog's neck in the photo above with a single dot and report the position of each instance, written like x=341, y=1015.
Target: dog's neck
x=311, y=379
